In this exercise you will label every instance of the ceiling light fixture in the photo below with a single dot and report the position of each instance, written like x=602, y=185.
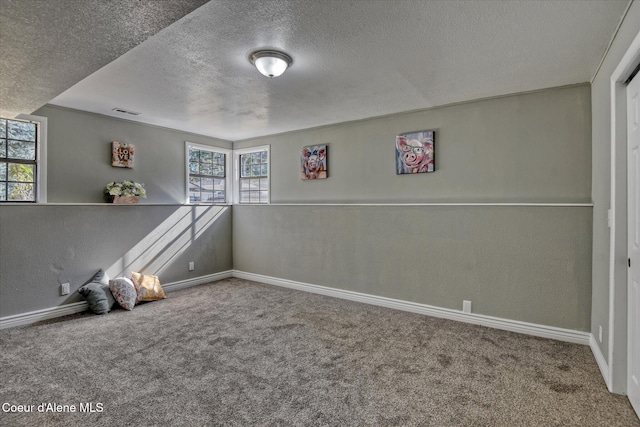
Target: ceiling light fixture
x=270, y=63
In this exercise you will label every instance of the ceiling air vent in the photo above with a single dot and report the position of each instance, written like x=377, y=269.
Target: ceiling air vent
x=122, y=110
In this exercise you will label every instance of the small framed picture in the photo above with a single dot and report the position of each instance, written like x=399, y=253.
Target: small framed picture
x=415, y=152
x=313, y=161
x=122, y=154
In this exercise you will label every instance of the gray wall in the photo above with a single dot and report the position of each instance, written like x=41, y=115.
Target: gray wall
x=521, y=263
x=79, y=156
x=532, y=147
x=43, y=246
x=526, y=263
x=46, y=245
x=601, y=174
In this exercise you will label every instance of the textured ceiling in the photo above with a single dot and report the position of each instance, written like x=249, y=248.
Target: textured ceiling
x=46, y=46
x=352, y=59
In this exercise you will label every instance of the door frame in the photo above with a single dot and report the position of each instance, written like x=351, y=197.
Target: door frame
x=617, y=351
x=633, y=252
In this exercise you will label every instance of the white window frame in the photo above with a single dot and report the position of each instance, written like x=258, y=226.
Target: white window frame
x=228, y=184
x=41, y=155
x=236, y=172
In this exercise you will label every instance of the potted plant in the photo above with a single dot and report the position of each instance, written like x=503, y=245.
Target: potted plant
x=125, y=192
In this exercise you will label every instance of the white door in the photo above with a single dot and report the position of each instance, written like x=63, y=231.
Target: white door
x=633, y=277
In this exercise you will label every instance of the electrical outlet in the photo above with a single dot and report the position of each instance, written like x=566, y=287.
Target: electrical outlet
x=466, y=306
x=600, y=334
x=192, y=266
x=64, y=289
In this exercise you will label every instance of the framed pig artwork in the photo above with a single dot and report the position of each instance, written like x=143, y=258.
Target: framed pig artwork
x=415, y=152
x=313, y=161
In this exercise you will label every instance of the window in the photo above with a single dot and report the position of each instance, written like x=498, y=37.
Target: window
x=252, y=176
x=207, y=178
x=19, y=160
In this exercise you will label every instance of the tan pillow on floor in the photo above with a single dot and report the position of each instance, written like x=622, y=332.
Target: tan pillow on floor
x=147, y=287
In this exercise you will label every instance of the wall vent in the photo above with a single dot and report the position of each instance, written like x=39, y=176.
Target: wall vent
x=122, y=110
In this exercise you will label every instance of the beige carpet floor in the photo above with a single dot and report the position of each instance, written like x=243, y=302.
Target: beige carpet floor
x=237, y=353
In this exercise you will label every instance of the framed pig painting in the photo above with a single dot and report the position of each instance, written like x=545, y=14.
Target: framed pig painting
x=415, y=152
x=313, y=161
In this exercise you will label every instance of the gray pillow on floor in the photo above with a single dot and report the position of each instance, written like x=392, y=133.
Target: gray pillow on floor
x=97, y=294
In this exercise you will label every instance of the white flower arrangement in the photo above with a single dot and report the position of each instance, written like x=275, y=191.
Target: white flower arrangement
x=126, y=188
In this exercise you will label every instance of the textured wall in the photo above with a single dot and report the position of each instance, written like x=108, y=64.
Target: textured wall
x=527, y=263
x=79, y=157
x=46, y=245
x=532, y=147
x=531, y=264
x=601, y=175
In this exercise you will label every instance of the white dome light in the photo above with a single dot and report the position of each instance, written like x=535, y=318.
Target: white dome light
x=270, y=63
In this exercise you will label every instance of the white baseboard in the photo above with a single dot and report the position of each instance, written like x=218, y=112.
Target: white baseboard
x=79, y=307
x=560, y=334
x=45, y=314
x=187, y=283
x=602, y=363
x=477, y=319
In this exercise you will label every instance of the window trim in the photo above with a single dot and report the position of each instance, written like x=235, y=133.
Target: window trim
x=236, y=173
x=41, y=157
x=228, y=180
